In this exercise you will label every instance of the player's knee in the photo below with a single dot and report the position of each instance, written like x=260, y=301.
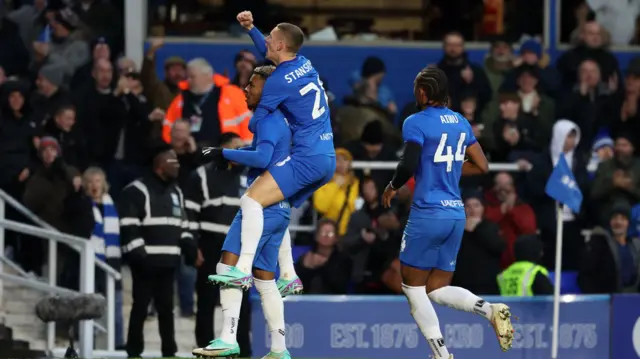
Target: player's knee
x=249, y=204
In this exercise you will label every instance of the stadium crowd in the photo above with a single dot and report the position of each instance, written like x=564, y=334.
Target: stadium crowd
x=78, y=123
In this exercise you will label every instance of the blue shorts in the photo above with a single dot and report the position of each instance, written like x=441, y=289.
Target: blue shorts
x=275, y=225
x=298, y=177
x=431, y=243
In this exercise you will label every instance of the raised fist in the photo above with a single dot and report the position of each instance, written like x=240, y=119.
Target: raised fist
x=245, y=19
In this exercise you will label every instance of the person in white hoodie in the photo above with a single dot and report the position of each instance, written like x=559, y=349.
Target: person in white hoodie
x=565, y=139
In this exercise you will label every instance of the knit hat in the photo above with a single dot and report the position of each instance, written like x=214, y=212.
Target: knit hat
x=602, y=139
x=53, y=74
x=373, y=133
x=66, y=17
x=372, y=65
x=620, y=209
x=627, y=136
x=99, y=41
x=473, y=193
x=49, y=141
x=174, y=60
x=528, y=69
x=531, y=45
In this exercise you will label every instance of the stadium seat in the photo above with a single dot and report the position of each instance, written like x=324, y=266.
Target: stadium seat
x=569, y=282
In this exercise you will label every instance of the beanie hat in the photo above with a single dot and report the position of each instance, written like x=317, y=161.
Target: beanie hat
x=49, y=141
x=531, y=45
x=53, y=74
x=622, y=209
x=372, y=65
x=602, y=139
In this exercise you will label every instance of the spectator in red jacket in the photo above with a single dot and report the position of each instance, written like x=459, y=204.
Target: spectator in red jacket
x=514, y=217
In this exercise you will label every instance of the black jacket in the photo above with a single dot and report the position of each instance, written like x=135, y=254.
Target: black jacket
x=154, y=230
x=478, y=262
x=212, y=201
x=600, y=270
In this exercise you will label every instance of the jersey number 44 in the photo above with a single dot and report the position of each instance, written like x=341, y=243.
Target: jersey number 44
x=448, y=157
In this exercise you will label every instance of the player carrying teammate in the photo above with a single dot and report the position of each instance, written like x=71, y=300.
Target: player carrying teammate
x=295, y=89
x=271, y=144
x=436, y=141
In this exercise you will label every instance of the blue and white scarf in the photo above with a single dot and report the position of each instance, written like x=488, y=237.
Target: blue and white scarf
x=106, y=231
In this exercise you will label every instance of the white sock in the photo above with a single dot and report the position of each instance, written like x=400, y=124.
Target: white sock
x=230, y=300
x=427, y=319
x=273, y=308
x=252, y=226
x=285, y=258
x=461, y=299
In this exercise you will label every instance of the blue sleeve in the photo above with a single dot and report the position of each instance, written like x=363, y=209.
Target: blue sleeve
x=259, y=158
x=411, y=132
x=273, y=94
x=259, y=41
x=471, y=137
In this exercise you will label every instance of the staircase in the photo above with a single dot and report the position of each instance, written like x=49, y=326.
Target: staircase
x=24, y=333
x=13, y=348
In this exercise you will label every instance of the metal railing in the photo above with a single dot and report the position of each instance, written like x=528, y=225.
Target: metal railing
x=87, y=272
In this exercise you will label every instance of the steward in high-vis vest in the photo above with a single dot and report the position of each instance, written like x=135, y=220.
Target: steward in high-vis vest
x=525, y=278
x=211, y=104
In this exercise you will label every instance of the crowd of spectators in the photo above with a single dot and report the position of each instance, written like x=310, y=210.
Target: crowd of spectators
x=76, y=122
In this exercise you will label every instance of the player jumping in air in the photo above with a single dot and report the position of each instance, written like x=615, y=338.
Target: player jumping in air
x=271, y=144
x=436, y=142
x=295, y=89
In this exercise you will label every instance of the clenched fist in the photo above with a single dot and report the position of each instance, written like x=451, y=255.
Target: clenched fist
x=245, y=19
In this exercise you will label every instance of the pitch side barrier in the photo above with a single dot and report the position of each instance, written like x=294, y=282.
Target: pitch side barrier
x=380, y=327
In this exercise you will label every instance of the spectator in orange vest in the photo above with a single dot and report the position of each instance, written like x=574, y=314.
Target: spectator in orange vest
x=211, y=104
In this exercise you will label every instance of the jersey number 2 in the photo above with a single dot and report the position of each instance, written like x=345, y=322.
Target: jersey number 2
x=318, y=109
x=448, y=157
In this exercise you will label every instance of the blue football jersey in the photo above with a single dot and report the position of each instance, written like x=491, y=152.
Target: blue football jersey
x=272, y=129
x=295, y=88
x=444, y=136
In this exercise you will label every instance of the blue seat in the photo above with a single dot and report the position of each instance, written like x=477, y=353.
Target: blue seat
x=569, y=282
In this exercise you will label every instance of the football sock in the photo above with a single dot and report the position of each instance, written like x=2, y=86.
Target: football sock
x=252, y=226
x=461, y=299
x=230, y=300
x=427, y=319
x=273, y=308
x=285, y=258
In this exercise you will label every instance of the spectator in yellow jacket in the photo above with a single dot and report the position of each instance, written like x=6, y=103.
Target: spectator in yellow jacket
x=337, y=199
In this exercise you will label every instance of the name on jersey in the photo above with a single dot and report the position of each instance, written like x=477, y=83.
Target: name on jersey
x=451, y=203
x=448, y=119
x=326, y=136
x=299, y=72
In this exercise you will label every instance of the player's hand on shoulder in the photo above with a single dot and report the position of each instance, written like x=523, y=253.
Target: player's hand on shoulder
x=245, y=19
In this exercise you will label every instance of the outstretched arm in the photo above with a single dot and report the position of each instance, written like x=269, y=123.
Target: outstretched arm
x=268, y=131
x=245, y=19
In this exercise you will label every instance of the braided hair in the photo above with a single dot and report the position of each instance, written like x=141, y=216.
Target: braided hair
x=433, y=81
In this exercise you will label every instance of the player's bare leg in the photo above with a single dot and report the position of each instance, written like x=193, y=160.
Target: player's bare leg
x=273, y=309
x=441, y=292
x=230, y=299
x=414, y=282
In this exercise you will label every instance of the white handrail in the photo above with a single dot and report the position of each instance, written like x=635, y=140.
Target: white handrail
x=37, y=220
x=87, y=271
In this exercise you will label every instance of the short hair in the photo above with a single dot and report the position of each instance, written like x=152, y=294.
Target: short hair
x=509, y=97
x=433, y=81
x=201, y=65
x=66, y=107
x=264, y=71
x=95, y=171
x=453, y=33
x=227, y=137
x=293, y=36
x=326, y=221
